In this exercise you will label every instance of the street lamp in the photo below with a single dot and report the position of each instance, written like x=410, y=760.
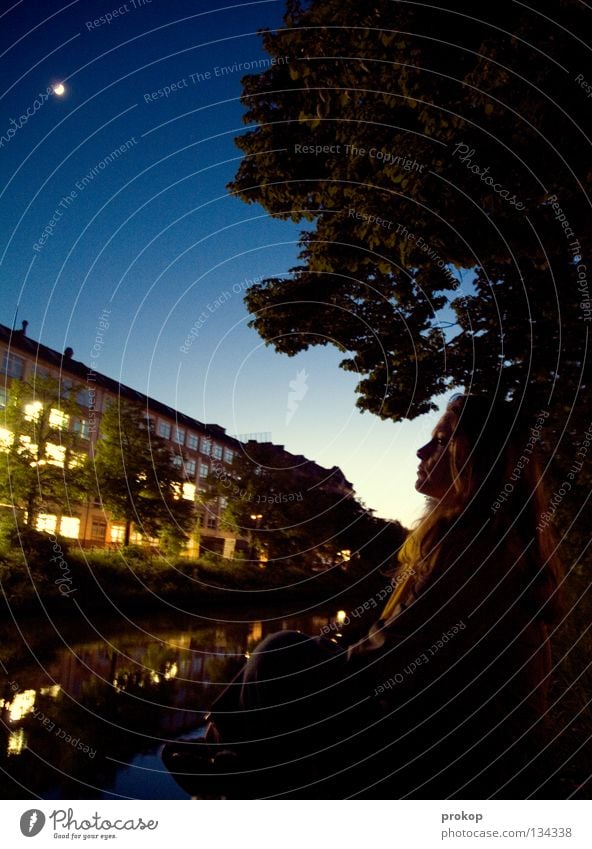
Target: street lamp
x=255, y=517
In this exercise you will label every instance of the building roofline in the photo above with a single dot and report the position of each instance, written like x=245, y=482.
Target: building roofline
x=67, y=365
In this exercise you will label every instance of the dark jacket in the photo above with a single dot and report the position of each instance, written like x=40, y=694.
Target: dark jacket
x=458, y=683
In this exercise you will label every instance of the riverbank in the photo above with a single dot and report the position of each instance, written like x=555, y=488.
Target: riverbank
x=98, y=580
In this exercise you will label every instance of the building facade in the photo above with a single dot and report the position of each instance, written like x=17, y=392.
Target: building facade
x=202, y=454
x=195, y=446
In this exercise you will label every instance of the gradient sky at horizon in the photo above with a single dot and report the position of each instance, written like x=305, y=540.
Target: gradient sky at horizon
x=153, y=235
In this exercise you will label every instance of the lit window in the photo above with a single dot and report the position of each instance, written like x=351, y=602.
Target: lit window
x=228, y=455
x=192, y=441
x=189, y=491
x=98, y=531
x=56, y=454
x=70, y=527
x=217, y=452
x=206, y=446
x=3, y=398
x=32, y=411
x=179, y=435
x=117, y=533
x=164, y=430
x=223, y=503
x=12, y=366
x=77, y=459
x=47, y=522
x=190, y=467
x=6, y=438
x=203, y=470
x=177, y=461
x=58, y=419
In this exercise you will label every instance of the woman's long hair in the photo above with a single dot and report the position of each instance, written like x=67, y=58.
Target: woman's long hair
x=492, y=508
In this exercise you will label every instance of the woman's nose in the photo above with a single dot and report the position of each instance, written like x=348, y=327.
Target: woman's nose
x=423, y=452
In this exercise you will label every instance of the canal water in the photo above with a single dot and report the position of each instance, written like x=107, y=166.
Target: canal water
x=85, y=717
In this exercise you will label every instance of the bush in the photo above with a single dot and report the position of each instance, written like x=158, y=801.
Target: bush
x=36, y=547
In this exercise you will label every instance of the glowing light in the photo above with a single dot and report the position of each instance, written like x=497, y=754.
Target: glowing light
x=46, y=522
x=17, y=741
x=59, y=89
x=171, y=671
x=70, y=527
x=58, y=419
x=22, y=704
x=32, y=411
x=6, y=438
x=53, y=691
x=189, y=491
x=341, y=616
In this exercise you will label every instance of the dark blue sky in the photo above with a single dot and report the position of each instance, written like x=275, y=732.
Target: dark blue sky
x=114, y=197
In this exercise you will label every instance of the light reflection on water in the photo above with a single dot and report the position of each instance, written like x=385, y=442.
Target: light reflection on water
x=89, y=721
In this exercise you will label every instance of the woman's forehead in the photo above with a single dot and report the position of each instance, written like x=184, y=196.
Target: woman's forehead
x=445, y=423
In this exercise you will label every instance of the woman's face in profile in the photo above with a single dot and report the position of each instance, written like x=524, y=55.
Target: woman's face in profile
x=433, y=474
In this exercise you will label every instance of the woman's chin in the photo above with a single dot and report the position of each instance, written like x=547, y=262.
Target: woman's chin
x=420, y=484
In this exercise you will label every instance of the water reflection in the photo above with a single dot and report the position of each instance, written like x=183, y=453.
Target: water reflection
x=88, y=720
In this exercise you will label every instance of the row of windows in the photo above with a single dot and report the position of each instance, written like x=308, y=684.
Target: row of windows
x=69, y=527
x=191, y=440
x=190, y=467
x=13, y=366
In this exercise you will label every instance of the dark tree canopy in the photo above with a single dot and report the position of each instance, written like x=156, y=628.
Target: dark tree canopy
x=428, y=146
x=292, y=509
